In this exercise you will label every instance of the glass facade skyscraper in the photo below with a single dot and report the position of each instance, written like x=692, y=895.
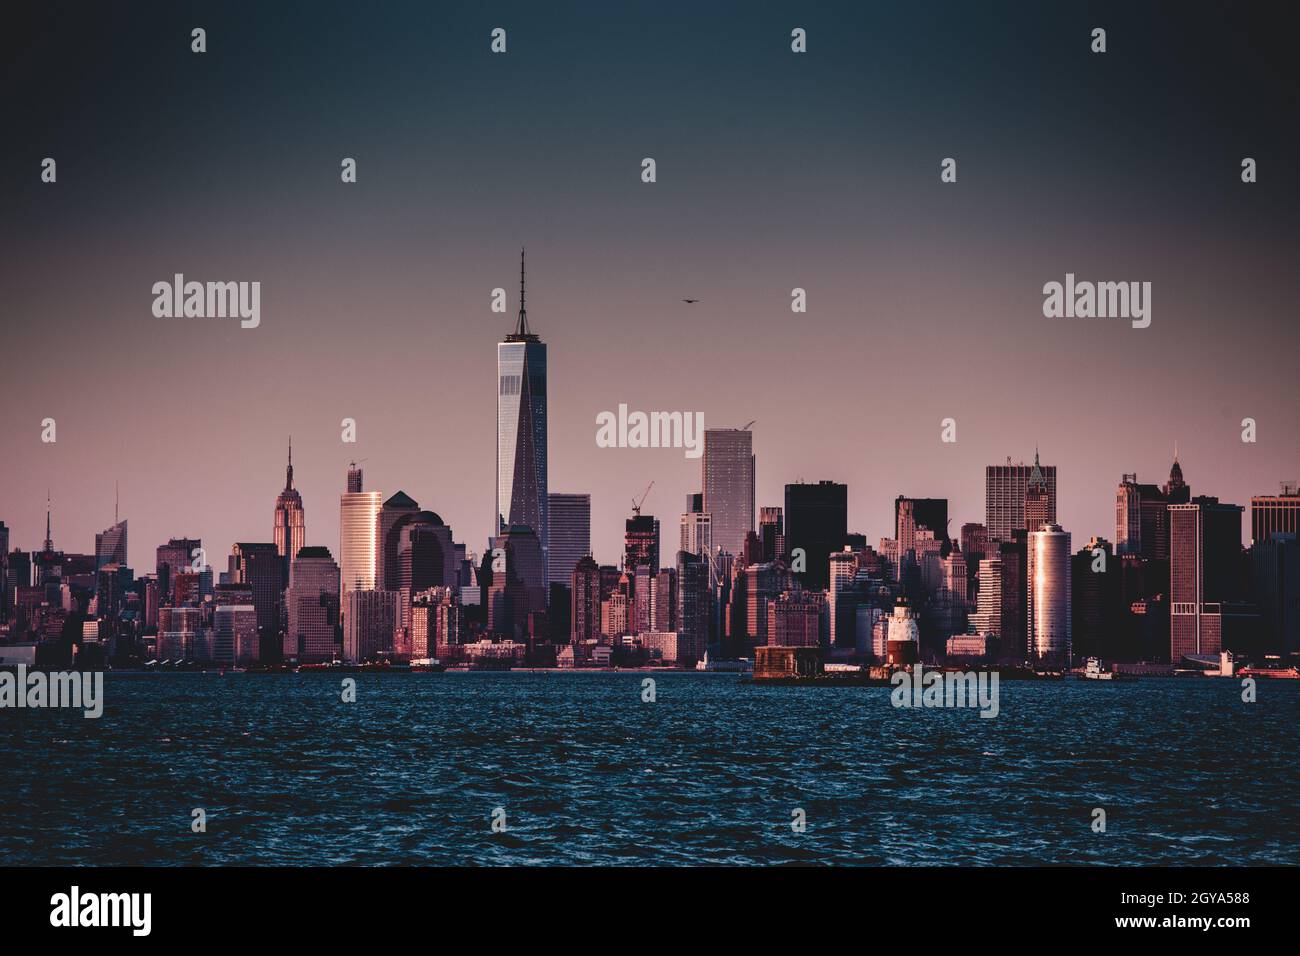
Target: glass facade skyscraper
x=728, y=478
x=521, y=497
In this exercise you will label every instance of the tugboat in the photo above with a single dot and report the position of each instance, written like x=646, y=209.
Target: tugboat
x=1092, y=671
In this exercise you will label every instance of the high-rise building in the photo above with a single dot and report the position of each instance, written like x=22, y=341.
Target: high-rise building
x=369, y=624
x=1277, y=584
x=1040, y=502
x=1005, y=487
x=260, y=566
x=234, y=634
x=173, y=558
x=911, y=514
x=771, y=533
x=313, y=599
x=1014, y=556
x=426, y=558
x=290, y=522
x=663, y=600
x=693, y=601
x=727, y=470
x=584, y=601
x=1048, y=608
x=1204, y=571
x=569, y=516
x=521, y=498
x=816, y=521
x=696, y=533
x=358, y=535
x=987, y=619
x=520, y=589
x=110, y=545
x=842, y=599
x=1142, y=514
x=641, y=543
x=1095, y=601
x=794, y=619
x=394, y=514
x=1275, y=514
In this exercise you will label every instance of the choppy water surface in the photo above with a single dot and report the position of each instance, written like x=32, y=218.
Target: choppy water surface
x=707, y=774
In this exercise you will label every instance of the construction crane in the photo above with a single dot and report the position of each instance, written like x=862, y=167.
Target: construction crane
x=745, y=427
x=636, y=504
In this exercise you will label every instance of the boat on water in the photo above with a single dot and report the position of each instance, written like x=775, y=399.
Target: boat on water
x=1092, y=670
x=742, y=666
x=1273, y=673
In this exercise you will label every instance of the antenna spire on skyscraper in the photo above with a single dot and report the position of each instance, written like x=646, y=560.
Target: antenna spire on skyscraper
x=49, y=541
x=288, y=474
x=522, y=327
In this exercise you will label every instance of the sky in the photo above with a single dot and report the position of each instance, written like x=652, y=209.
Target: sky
x=775, y=170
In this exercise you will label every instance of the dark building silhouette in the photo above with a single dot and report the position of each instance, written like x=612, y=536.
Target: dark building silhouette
x=816, y=520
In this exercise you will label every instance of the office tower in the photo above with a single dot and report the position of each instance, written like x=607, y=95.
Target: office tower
x=1277, y=586
x=1014, y=556
x=260, y=566
x=987, y=619
x=911, y=514
x=816, y=520
x=521, y=498
x=290, y=522
x=520, y=589
x=426, y=558
x=1005, y=488
x=695, y=502
x=952, y=595
x=641, y=543
x=570, y=530
x=369, y=624
x=1204, y=571
x=641, y=620
x=1274, y=514
x=794, y=620
x=110, y=545
x=234, y=635
x=358, y=535
x=697, y=533
x=763, y=583
x=663, y=601
x=448, y=621
x=693, y=597
x=771, y=533
x=1094, y=595
x=313, y=599
x=614, y=612
x=584, y=600
x=727, y=470
x=1048, y=607
x=1040, y=504
x=1142, y=514
x=180, y=634
x=173, y=558
x=842, y=598
x=394, y=515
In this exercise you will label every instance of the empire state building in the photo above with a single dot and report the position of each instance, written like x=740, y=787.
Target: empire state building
x=290, y=524
x=521, y=430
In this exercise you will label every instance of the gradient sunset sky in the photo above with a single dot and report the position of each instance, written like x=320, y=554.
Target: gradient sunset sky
x=775, y=170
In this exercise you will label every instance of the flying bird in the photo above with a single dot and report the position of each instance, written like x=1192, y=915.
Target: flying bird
x=690, y=301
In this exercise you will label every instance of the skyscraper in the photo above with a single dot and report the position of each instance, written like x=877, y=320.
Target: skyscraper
x=1048, y=608
x=313, y=599
x=370, y=621
x=1275, y=514
x=570, y=530
x=584, y=600
x=913, y=513
x=816, y=520
x=394, y=514
x=1204, y=571
x=173, y=558
x=290, y=522
x=727, y=470
x=693, y=599
x=259, y=565
x=1040, y=501
x=641, y=543
x=110, y=545
x=771, y=532
x=696, y=533
x=521, y=498
x=1005, y=487
x=358, y=535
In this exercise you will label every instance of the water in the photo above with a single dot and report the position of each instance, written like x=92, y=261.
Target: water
x=707, y=774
